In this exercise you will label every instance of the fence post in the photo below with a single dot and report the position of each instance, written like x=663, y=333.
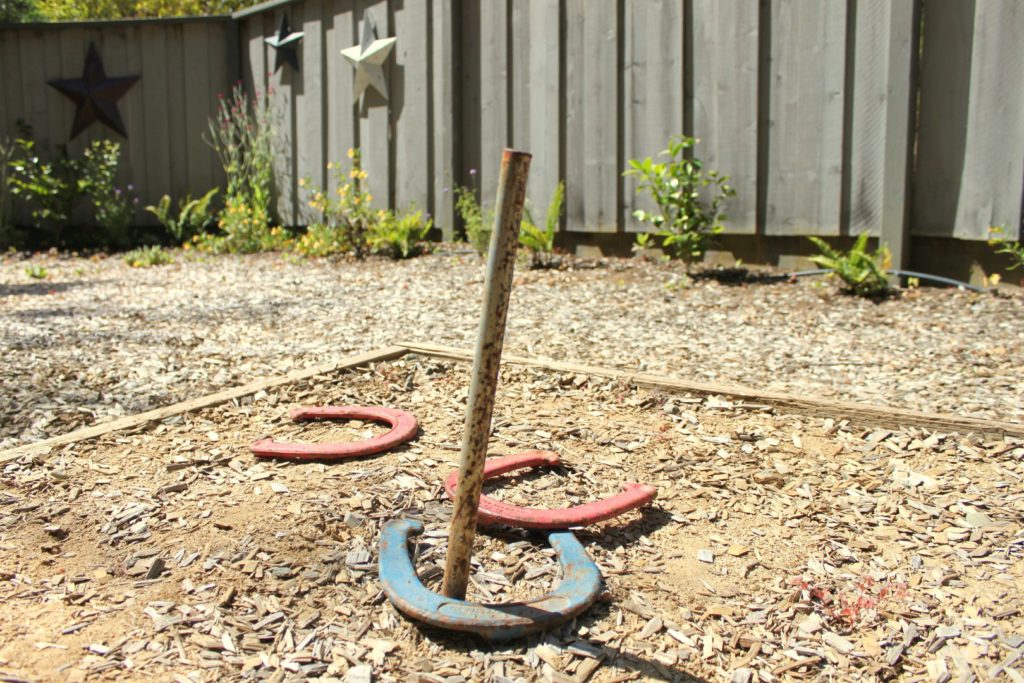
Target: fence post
x=899, y=131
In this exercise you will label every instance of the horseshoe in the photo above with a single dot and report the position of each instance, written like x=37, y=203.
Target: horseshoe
x=403, y=428
x=579, y=588
x=493, y=511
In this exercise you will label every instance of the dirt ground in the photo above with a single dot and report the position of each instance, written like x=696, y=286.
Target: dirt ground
x=780, y=547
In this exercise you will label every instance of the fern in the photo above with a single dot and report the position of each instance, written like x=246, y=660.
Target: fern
x=862, y=272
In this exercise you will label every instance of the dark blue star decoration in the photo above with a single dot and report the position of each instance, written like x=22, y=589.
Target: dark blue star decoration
x=95, y=96
x=286, y=44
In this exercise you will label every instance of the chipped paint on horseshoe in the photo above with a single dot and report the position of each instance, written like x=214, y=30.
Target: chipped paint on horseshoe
x=579, y=588
x=403, y=429
x=493, y=511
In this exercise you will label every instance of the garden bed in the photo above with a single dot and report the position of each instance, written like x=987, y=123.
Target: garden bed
x=781, y=546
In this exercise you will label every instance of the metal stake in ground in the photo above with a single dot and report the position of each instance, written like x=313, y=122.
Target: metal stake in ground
x=501, y=261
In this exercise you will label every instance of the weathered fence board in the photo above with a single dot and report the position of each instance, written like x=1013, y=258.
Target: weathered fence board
x=410, y=106
x=308, y=83
x=725, y=81
x=808, y=106
x=806, y=117
x=653, y=90
x=341, y=122
x=155, y=111
x=442, y=113
x=971, y=156
x=593, y=139
x=375, y=123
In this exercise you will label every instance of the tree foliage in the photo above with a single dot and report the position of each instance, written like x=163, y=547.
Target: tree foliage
x=77, y=10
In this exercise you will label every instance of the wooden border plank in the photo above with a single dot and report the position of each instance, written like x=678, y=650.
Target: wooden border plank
x=131, y=421
x=882, y=416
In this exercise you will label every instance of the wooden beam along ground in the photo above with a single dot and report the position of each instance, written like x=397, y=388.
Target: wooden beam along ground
x=131, y=421
x=881, y=416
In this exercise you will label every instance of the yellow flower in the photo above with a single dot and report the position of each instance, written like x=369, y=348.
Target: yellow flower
x=369, y=197
x=354, y=173
x=302, y=182
x=362, y=174
x=330, y=165
x=351, y=153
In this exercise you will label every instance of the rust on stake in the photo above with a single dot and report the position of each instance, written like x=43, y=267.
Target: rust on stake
x=501, y=261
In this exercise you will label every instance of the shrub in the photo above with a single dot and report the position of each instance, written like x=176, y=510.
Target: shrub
x=113, y=206
x=242, y=134
x=541, y=242
x=685, y=223
x=194, y=215
x=476, y=223
x=245, y=229
x=7, y=150
x=862, y=272
x=347, y=214
x=399, y=235
x=48, y=187
x=146, y=257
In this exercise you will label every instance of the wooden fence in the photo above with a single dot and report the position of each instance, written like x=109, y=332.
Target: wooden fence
x=900, y=117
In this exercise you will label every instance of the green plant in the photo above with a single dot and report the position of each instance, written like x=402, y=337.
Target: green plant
x=113, y=207
x=49, y=188
x=476, y=223
x=399, y=235
x=685, y=223
x=862, y=272
x=37, y=272
x=14, y=11
x=541, y=242
x=242, y=134
x=1015, y=250
x=244, y=229
x=145, y=257
x=347, y=215
x=7, y=150
x=193, y=217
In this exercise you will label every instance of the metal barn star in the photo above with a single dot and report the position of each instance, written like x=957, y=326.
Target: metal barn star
x=95, y=96
x=285, y=43
x=368, y=60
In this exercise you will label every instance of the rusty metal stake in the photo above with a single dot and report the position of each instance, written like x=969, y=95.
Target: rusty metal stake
x=501, y=260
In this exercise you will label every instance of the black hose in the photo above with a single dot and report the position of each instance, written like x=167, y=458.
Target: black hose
x=899, y=273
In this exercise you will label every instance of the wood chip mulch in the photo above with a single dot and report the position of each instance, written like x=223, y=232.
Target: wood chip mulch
x=780, y=547
x=96, y=339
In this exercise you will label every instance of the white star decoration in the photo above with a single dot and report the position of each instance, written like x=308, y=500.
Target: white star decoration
x=368, y=60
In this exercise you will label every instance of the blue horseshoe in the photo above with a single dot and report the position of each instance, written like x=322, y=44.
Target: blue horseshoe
x=579, y=588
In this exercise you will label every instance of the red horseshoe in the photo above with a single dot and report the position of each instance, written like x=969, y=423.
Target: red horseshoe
x=403, y=428
x=496, y=512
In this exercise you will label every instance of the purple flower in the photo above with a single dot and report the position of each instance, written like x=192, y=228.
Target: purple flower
x=472, y=171
x=130, y=187
x=444, y=189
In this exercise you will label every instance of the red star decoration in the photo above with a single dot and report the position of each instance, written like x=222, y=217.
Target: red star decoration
x=95, y=96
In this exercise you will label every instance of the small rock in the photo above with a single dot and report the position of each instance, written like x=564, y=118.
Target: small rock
x=741, y=675
x=360, y=674
x=156, y=569
x=705, y=555
x=354, y=520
